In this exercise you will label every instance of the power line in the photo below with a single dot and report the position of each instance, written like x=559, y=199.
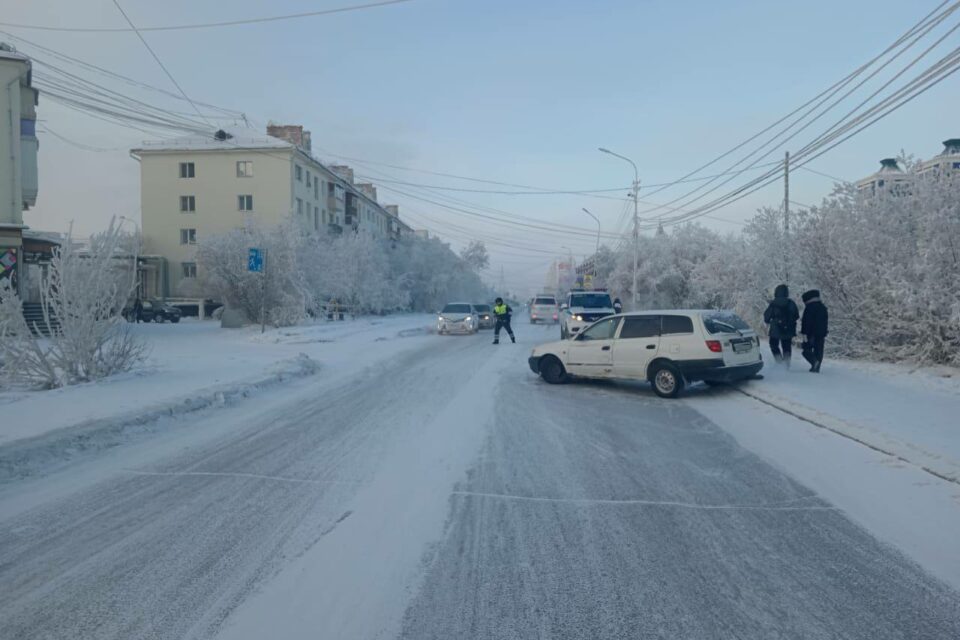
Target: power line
x=157, y=58
x=207, y=25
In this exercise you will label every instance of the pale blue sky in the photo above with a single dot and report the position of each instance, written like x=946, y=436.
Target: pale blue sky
x=519, y=92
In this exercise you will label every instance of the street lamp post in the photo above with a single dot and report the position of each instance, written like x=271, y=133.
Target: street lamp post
x=636, y=219
x=597, y=252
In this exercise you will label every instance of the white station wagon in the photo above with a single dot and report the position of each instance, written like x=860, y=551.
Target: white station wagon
x=666, y=348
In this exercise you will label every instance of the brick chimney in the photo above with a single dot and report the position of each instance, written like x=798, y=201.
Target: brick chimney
x=393, y=209
x=292, y=133
x=368, y=190
x=343, y=171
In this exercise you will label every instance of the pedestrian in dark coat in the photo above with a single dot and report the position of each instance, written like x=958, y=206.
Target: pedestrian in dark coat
x=814, y=327
x=617, y=305
x=138, y=310
x=782, y=315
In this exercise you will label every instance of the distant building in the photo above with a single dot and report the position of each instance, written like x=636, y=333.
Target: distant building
x=946, y=163
x=18, y=155
x=890, y=178
x=202, y=185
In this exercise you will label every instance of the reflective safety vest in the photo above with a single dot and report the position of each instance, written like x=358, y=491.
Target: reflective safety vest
x=500, y=309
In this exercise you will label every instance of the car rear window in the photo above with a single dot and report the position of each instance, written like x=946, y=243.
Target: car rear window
x=673, y=325
x=640, y=327
x=456, y=308
x=712, y=322
x=545, y=301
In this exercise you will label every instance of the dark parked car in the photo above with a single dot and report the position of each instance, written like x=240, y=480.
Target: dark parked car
x=153, y=310
x=485, y=316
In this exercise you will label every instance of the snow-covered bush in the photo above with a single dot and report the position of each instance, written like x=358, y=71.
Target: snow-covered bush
x=83, y=293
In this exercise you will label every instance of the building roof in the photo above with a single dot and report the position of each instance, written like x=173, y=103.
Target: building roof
x=234, y=138
x=9, y=53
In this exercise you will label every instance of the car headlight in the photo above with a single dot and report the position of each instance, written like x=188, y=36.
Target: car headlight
x=441, y=318
x=578, y=318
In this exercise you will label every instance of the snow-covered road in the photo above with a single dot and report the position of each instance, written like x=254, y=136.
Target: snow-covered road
x=445, y=492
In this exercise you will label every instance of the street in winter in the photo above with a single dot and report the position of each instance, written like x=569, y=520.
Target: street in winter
x=423, y=320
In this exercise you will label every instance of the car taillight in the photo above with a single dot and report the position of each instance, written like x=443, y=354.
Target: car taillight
x=715, y=346
x=533, y=315
x=554, y=316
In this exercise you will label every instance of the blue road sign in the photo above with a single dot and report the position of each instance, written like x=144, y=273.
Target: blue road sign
x=255, y=260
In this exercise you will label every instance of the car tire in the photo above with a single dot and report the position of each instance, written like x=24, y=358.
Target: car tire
x=175, y=319
x=667, y=380
x=563, y=333
x=552, y=371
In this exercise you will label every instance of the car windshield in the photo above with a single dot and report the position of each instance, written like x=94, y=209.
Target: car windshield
x=724, y=322
x=591, y=300
x=482, y=308
x=456, y=308
x=550, y=301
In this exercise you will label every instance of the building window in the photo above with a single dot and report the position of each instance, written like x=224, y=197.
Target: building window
x=308, y=179
x=187, y=170
x=188, y=269
x=188, y=236
x=299, y=172
x=956, y=165
x=299, y=207
x=316, y=217
x=316, y=189
x=323, y=216
x=188, y=204
x=245, y=168
x=245, y=203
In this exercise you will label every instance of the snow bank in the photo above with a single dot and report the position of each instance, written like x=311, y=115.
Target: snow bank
x=51, y=449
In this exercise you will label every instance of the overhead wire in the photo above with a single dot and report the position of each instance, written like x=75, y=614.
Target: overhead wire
x=208, y=25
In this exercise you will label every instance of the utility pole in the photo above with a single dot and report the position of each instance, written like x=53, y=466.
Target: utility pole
x=636, y=219
x=786, y=214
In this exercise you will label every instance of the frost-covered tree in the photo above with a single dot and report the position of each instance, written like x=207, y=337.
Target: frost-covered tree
x=475, y=255
x=83, y=293
x=222, y=262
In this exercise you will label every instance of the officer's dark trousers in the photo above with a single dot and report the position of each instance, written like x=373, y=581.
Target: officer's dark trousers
x=505, y=323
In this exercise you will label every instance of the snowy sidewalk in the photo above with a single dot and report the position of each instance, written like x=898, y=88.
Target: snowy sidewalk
x=901, y=410
x=194, y=361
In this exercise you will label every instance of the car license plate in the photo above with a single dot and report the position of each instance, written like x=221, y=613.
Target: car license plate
x=741, y=347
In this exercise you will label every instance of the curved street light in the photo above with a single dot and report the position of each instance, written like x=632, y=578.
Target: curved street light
x=636, y=220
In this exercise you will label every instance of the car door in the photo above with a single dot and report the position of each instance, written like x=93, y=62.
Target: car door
x=590, y=354
x=636, y=345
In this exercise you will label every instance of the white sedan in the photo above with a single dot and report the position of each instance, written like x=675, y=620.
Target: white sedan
x=666, y=348
x=458, y=317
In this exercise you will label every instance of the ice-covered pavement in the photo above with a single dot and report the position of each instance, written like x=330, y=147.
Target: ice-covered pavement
x=439, y=490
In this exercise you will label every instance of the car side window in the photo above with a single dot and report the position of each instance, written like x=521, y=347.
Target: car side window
x=673, y=325
x=603, y=330
x=640, y=327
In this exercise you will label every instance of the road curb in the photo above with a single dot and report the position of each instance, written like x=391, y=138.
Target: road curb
x=911, y=454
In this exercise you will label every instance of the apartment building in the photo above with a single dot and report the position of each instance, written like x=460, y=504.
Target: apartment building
x=203, y=185
x=18, y=156
x=893, y=179
x=890, y=178
x=946, y=163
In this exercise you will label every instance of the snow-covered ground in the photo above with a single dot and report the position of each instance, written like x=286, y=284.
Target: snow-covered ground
x=194, y=360
x=418, y=486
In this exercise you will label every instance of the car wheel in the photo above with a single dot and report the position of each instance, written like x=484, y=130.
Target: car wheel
x=551, y=370
x=667, y=380
x=175, y=319
x=563, y=333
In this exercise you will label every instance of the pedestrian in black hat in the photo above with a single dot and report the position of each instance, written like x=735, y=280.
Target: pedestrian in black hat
x=814, y=328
